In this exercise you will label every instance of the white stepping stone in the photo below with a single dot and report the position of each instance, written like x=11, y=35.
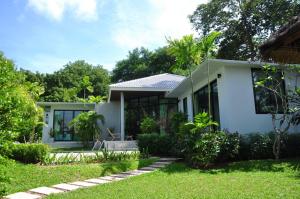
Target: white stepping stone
x=22, y=195
x=67, y=187
x=157, y=166
x=97, y=181
x=83, y=184
x=45, y=190
x=111, y=178
x=148, y=168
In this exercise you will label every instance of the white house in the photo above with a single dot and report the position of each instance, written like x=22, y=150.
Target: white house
x=236, y=105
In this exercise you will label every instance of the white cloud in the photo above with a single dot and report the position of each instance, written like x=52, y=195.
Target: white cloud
x=85, y=10
x=163, y=18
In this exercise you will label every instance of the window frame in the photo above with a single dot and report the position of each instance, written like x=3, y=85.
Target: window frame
x=257, y=109
x=73, y=114
x=185, y=106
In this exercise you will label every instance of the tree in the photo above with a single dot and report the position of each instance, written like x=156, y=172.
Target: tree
x=286, y=108
x=86, y=126
x=67, y=84
x=19, y=114
x=141, y=62
x=244, y=24
x=190, y=52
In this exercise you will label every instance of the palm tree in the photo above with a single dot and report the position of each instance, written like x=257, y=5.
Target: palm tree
x=190, y=52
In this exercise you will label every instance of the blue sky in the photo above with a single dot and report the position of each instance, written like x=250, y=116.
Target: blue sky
x=44, y=35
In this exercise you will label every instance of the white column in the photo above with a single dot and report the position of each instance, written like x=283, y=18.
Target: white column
x=122, y=117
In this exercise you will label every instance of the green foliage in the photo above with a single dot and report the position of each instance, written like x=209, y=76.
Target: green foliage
x=142, y=63
x=75, y=81
x=4, y=179
x=244, y=24
x=26, y=153
x=99, y=157
x=156, y=144
x=206, y=149
x=149, y=125
x=202, y=122
x=86, y=126
x=19, y=114
x=229, y=148
x=177, y=120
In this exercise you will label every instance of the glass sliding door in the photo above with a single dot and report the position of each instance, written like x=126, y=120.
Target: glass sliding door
x=156, y=106
x=61, y=121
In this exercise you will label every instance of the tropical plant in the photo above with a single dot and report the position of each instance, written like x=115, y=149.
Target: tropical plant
x=190, y=52
x=86, y=126
x=148, y=125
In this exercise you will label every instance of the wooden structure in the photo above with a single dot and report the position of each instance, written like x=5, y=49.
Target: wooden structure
x=284, y=45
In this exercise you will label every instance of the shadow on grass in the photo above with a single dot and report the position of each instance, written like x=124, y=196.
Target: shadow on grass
x=243, y=166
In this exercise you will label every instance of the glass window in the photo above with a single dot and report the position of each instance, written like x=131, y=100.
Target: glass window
x=62, y=118
x=184, y=101
x=201, y=101
x=265, y=101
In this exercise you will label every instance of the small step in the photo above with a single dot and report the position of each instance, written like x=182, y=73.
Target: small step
x=65, y=186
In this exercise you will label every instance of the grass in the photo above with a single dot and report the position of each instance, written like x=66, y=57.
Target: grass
x=24, y=177
x=249, y=179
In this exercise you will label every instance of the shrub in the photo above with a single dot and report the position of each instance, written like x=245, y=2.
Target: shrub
x=148, y=125
x=86, y=126
x=230, y=147
x=207, y=148
x=177, y=120
x=29, y=153
x=292, y=146
x=156, y=144
x=4, y=179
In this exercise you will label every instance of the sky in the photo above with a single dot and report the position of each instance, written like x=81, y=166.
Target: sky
x=44, y=35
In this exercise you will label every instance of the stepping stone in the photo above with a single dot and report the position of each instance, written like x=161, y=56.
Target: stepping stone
x=148, y=168
x=139, y=172
x=157, y=166
x=67, y=187
x=22, y=195
x=111, y=178
x=83, y=184
x=45, y=190
x=168, y=159
x=163, y=163
x=97, y=181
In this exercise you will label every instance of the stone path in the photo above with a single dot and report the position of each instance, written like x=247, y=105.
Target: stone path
x=41, y=192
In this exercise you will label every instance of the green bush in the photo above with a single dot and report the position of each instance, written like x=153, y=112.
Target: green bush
x=29, y=153
x=86, y=126
x=156, y=144
x=292, y=146
x=177, y=120
x=4, y=179
x=229, y=148
x=207, y=149
x=148, y=126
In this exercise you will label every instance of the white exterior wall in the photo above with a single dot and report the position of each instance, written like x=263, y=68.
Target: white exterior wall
x=46, y=129
x=236, y=101
x=111, y=112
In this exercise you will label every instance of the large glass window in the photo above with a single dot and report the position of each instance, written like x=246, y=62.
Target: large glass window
x=184, y=104
x=201, y=100
x=62, y=118
x=265, y=101
x=156, y=107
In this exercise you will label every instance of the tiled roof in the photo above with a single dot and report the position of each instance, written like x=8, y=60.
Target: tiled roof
x=162, y=81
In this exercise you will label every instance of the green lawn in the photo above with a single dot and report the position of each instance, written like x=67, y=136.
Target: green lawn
x=24, y=177
x=249, y=179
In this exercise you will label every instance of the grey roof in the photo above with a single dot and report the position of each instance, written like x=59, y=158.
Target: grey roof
x=164, y=81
